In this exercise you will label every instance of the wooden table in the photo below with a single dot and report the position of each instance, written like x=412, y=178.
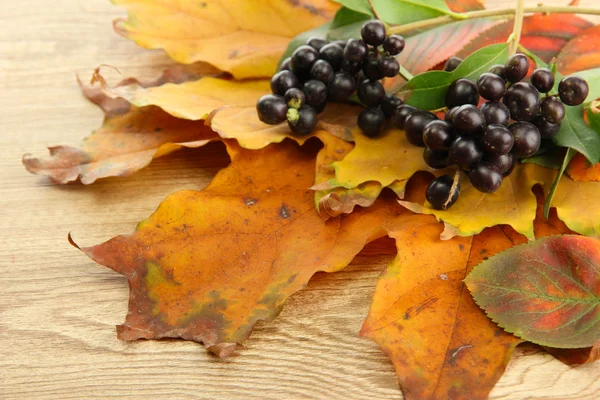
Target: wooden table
x=58, y=309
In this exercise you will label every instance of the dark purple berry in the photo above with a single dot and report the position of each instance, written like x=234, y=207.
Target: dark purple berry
x=302, y=121
x=341, y=43
x=495, y=112
x=322, y=71
x=438, y=193
x=373, y=33
x=371, y=68
x=465, y=152
x=543, y=80
x=286, y=65
x=527, y=138
x=341, y=87
x=573, y=90
x=497, y=140
x=271, y=109
x=282, y=81
x=370, y=93
x=499, y=70
x=491, y=86
x=351, y=68
x=553, y=110
x=389, y=103
x=389, y=67
x=295, y=98
x=370, y=121
x=547, y=129
x=450, y=114
x=400, y=114
x=502, y=162
x=485, y=177
x=356, y=50
x=316, y=43
x=435, y=159
x=438, y=135
x=516, y=67
x=316, y=92
x=523, y=101
x=394, y=44
x=333, y=53
x=462, y=91
x=302, y=60
x=414, y=125
x=469, y=120
x=452, y=63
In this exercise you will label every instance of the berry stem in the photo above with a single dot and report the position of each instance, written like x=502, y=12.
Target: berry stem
x=505, y=13
x=373, y=9
x=518, y=27
x=405, y=73
x=453, y=189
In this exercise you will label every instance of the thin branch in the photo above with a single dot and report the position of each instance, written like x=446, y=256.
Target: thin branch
x=518, y=27
x=453, y=189
x=373, y=9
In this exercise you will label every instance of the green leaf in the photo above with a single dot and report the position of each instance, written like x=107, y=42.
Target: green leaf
x=594, y=119
x=546, y=291
x=568, y=157
x=399, y=12
x=361, y=6
x=346, y=24
x=552, y=157
x=592, y=76
x=428, y=90
x=575, y=134
x=320, y=31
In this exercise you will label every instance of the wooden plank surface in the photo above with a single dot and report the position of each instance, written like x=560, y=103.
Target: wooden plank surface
x=58, y=309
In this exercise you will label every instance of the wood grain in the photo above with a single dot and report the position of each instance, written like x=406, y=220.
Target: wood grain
x=58, y=309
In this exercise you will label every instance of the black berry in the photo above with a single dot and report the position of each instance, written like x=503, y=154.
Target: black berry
x=527, y=138
x=438, y=135
x=499, y=70
x=316, y=92
x=295, y=98
x=341, y=43
x=370, y=93
x=400, y=114
x=547, y=129
x=286, y=65
x=371, y=68
x=495, y=112
x=461, y=91
x=282, y=81
x=438, y=193
x=394, y=44
x=333, y=53
x=516, y=67
x=435, y=159
x=465, y=152
x=450, y=114
x=373, y=33
x=452, y=63
x=350, y=67
x=341, y=87
x=491, y=86
x=389, y=67
x=302, y=60
x=316, y=43
x=302, y=121
x=322, y=71
x=414, y=125
x=356, y=50
x=523, y=101
x=271, y=109
x=542, y=79
x=469, y=120
x=573, y=90
x=485, y=177
x=389, y=103
x=502, y=162
x=497, y=140
x=553, y=110
x=370, y=121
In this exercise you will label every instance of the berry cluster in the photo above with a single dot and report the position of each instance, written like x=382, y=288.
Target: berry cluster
x=320, y=71
x=486, y=140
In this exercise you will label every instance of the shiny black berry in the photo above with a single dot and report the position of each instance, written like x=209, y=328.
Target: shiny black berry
x=371, y=68
x=547, y=129
x=553, y=110
x=414, y=125
x=316, y=92
x=370, y=121
x=438, y=135
x=286, y=65
x=527, y=138
x=485, y=177
x=516, y=67
x=302, y=60
x=341, y=87
x=355, y=51
x=542, y=79
x=341, y=43
x=436, y=159
x=389, y=103
x=469, y=120
x=322, y=71
x=502, y=162
x=523, y=101
x=370, y=93
x=497, y=140
x=394, y=44
x=282, y=81
x=389, y=66
x=495, y=112
x=373, y=33
x=316, y=42
x=461, y=91
x=350, y=67
x=573, y=90
x=491, y=86
x=333, y=53
x=271, y=109
x=438, y=193
x=465, y=152
x=450, y=114
x=302, y=121
x=499, y=70
x=295, y=98
x=400, y=114
x=452, y=63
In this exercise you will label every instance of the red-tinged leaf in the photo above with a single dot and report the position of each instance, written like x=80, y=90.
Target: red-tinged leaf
x=576, y=356
x=544, y=35
x=546, y=292
x=581, y=53
x=207, y=265
x=465, y=5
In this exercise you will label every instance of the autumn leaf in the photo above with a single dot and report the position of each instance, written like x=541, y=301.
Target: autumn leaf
x=243, y=38
x=580, y=170
x=576, y=356
x=207, y=265
x=546, y=292
x=581, y=52
x=465, y=5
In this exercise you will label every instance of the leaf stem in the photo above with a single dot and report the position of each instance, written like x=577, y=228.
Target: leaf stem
x=405, y=73
x=373, y=9
x=505, y=12
x=518, y=27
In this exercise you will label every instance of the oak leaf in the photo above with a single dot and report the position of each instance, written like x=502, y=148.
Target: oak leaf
x=245, y=38
x=207, y=265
